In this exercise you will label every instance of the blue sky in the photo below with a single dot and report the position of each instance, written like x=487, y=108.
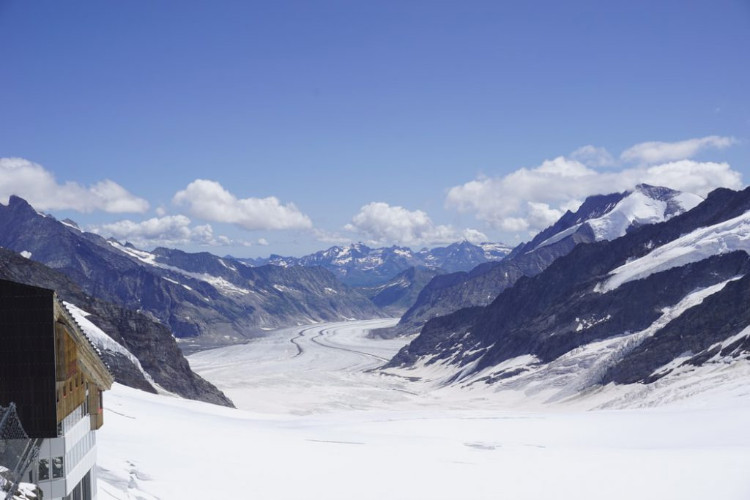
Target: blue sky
x=253, y=128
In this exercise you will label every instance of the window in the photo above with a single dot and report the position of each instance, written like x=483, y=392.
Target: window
x=43, y=469
x=57, y=467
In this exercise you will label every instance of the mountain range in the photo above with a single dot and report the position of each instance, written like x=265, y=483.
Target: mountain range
x=632, y=287
x=358, y=265
x=194, y=295
x=144, y=300
x=660, y=300
x=601, y=217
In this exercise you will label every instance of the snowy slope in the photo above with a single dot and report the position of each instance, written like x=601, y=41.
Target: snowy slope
x=643, y=205
x=700, y=244
x=638, y=208
x=367, y=435
x=526, y=378
x=102, y=341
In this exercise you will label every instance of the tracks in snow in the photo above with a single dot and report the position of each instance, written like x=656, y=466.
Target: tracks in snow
x=307, y=369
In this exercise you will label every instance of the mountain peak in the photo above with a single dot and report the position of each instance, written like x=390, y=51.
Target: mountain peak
x=646, y=204
x=16, y=202
x=660, y=193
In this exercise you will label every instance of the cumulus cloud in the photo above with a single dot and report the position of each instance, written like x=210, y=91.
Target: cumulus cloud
x=659, y=152
x=167, y=230
x=530, y=199
x=39, y=187
x=209, y=200
x=384, y=224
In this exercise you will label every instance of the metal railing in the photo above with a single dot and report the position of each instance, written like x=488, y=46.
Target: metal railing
x=17, y=451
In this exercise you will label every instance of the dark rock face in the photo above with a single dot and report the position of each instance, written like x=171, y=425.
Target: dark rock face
x=398, y=294
x=148, y=340
x=480, y=286
x=193, y=294
x=125, y=372
x=152, y=343
x=700, y=332
x=562, y=309
x=546, y=327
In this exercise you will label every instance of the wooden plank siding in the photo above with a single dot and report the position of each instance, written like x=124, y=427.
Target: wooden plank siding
x=81, y=374
x=49, y=366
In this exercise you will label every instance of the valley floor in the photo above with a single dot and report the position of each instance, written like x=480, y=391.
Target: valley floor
x=315, y=421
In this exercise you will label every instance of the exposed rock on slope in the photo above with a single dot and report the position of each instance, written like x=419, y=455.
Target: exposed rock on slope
x=663, y=298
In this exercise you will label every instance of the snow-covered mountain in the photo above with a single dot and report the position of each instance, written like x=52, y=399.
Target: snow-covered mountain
x=139, y=351
x=360, y=265
x=195, y=295
x=606, y=217
x=599, y=218
x=658, y=302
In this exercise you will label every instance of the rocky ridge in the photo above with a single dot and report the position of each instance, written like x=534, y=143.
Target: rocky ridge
x=663, y=299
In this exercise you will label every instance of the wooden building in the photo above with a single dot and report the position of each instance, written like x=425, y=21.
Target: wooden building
x=54, y=375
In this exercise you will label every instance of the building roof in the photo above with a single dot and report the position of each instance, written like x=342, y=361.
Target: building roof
x=89, y=356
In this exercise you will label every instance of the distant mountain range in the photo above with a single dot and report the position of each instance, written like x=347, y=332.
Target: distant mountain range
x=658, y=301
x=194, y=295
x=602, y=217
x=358, y=265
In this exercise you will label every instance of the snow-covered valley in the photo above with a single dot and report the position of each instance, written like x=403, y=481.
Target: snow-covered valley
x=315, y=421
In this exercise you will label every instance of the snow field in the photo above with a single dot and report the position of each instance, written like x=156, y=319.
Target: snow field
x=158, y=447
x=316, y=422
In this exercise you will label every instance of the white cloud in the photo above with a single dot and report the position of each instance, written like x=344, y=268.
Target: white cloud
x=504, y=201
x=541, y=215
x=659, y=152
x=383, y=224
x=168, y=230
x=208, y=200
x=532, y=199
x=593, y=156
x=39, y=187
x=263, y=242
x=694, y=177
